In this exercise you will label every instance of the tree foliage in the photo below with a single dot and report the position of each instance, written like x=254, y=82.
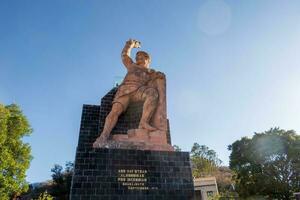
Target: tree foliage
x=58, y=188
x=224, y=180
x=15, y=155
x=62, y=180
x=45, y=196
x=267, y=164
x=204, y=160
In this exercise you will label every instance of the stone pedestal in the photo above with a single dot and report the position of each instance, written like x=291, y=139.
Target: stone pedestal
x=140, y=139
x=132, y=174
x=120, y=173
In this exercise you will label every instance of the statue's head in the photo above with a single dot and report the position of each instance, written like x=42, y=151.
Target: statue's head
x=143, y=59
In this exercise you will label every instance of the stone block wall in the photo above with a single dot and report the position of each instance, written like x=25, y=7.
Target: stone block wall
x=132, y=175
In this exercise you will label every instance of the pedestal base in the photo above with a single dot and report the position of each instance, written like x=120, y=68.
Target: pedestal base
x=139, y=139
x=132, y=175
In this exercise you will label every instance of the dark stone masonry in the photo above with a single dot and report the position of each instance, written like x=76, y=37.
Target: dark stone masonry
x=120, y=174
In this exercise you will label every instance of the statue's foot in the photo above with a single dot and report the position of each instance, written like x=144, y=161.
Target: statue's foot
x=147, y=127
x=99, y=141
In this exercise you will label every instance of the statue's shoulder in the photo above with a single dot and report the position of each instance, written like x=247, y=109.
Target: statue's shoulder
x=153, y=70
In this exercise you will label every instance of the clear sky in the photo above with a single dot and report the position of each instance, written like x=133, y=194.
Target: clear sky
x=232, y=66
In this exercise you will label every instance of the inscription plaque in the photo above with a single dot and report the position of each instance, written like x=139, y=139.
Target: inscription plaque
x=133, y=179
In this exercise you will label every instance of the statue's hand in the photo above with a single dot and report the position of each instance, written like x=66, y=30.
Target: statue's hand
x=134, y=43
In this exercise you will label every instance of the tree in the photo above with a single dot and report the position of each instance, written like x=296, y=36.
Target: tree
x=58, y=188
x=224, y=180
x=15, y=155
x=204, y=160
x=62, y=180
x=45, y=196
x=267, y=164
x=176, y=148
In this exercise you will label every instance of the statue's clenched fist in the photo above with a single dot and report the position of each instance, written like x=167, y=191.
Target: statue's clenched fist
x=134, y=43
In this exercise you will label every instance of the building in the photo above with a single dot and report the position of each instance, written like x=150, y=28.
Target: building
x=205, y=187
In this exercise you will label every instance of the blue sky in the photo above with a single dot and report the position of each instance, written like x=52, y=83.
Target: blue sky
x=232, y=67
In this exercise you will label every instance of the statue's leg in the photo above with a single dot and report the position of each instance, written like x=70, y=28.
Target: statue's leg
x=159, y=118
x=111, y=121
x=150, y=97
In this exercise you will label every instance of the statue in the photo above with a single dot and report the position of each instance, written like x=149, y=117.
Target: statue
x=140, y=84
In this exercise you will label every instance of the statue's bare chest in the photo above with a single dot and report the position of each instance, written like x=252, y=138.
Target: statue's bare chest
x=137, y=75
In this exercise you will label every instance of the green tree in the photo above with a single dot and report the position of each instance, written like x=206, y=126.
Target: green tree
x=267, y=164
x=204, y=160
x=15, y=155
x=224, y=180
x=45, y=196
x=62, y=180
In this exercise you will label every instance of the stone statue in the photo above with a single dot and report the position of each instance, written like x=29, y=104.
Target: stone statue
x=140, y=84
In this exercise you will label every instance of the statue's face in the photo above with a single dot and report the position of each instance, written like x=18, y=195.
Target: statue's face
x=142, y=60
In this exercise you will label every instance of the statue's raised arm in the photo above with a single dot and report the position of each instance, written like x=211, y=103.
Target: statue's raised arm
x=126, y=59
x=141, y=84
